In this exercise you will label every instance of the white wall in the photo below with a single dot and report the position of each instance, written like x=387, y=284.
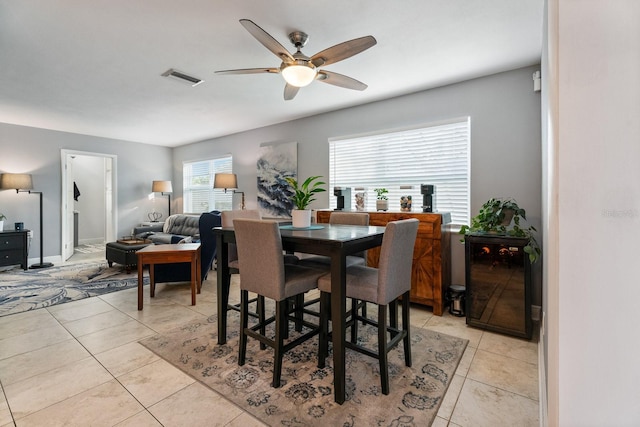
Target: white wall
x=594, y=107
x=505, y=142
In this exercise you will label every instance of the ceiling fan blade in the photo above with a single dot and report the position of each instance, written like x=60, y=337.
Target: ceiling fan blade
x=342, y=51
x=340, y=80
x=290, y=92
x=250, y=71
x=269, y=42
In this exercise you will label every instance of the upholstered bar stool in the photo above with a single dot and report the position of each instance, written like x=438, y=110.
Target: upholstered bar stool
x=265, y=273
x=381, y=286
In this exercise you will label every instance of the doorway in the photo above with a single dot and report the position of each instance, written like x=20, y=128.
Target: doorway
x=89, y=212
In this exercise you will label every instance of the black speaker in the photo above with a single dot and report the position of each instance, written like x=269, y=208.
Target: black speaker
x=426, y=189
x=19, y=226
x=428, y=197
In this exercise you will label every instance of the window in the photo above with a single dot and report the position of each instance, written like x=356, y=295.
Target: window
x=401, y=161
x=198, y=192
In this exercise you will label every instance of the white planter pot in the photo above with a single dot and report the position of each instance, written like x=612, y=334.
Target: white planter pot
x=382, y=205
x=301, y=218
x=1, y=225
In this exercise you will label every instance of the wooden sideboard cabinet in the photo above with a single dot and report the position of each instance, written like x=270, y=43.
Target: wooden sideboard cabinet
x=13, y=248
x=431, y=273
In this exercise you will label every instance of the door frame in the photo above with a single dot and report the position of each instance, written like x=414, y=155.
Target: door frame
x=110, y=194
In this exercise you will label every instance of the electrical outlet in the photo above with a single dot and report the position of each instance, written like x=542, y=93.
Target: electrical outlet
x=31, y=234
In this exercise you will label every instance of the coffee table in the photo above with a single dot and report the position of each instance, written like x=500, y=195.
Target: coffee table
x=169, y=254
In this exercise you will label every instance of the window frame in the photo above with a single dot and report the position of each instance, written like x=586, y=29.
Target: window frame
x=217, y=199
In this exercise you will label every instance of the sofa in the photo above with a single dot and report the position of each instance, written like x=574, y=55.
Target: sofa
x=176, y=228
x=180, y=272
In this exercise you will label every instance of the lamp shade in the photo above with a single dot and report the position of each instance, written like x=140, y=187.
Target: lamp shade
x=16, y=181
x=161, y=187
x=225, y=180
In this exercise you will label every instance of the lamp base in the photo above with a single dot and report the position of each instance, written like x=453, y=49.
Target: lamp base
x=41, y=265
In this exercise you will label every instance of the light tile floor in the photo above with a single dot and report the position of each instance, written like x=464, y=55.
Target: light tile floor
x=80, y=364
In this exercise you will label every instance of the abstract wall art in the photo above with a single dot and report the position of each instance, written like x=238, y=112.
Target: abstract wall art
x=276, y=162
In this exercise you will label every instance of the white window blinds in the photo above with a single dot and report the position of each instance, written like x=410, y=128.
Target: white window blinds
x=198, y=192
x=436, y=154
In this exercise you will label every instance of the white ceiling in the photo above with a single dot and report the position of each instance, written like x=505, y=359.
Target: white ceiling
x=94, y=66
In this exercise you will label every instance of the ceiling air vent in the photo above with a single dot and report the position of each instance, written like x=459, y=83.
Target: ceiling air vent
x=182, y=77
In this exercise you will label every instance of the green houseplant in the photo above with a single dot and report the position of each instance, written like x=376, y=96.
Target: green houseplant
x=496, y=216
x=382, y=201
x=303, y=195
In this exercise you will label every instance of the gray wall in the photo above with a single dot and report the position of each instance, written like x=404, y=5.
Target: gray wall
x=37, y=151
x=505, y=142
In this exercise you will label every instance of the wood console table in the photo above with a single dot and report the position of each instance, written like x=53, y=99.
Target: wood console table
x=169, y=254
x=431, y=272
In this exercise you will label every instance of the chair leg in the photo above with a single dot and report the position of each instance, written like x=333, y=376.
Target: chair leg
x=323, y=336
x=393, y=316
x=281, y=325
x=287, y=306
x=260, y=308
x=406, y=310
x=244, y=323
x=299, y=306
x=382, y=348
x=364, y=311
x=354, y=321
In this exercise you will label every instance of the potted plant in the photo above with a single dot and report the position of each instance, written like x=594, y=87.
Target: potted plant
x=382, y=201
x=303, y=195
x=2, y=218
x=496, y=216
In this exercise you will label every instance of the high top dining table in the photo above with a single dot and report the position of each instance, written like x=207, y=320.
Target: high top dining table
x=334, y=241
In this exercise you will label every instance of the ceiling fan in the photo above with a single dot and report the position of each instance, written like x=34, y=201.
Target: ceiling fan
x=299, y=70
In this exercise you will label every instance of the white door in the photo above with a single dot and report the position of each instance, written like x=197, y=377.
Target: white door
x=111, y=208
x=67, y=209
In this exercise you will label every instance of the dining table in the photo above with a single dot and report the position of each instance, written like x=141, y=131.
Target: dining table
x=331, y=240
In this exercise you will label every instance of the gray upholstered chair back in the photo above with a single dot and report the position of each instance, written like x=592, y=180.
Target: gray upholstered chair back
x=227, y=221
x=351, y=218
x=260, y=257
x=396, y=259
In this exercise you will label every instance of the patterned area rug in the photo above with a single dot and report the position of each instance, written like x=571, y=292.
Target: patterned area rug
x=306, y=395
x=28, y=290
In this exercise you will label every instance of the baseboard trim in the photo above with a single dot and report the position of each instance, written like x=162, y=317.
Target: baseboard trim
x=542, y=377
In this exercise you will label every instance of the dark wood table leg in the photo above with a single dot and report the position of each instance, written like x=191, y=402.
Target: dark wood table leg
x=338, y=308
x=223, y=283
x=152, y=280
x=199, y=270
x=193, y=279
x=140, y=282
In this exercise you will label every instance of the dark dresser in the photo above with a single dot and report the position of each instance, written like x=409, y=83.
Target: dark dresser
x=14, y=248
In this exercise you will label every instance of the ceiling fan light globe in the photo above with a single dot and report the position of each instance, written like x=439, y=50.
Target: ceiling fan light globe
x=299, y=75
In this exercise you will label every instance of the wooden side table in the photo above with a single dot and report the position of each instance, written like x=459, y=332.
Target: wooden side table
x=168, y=254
